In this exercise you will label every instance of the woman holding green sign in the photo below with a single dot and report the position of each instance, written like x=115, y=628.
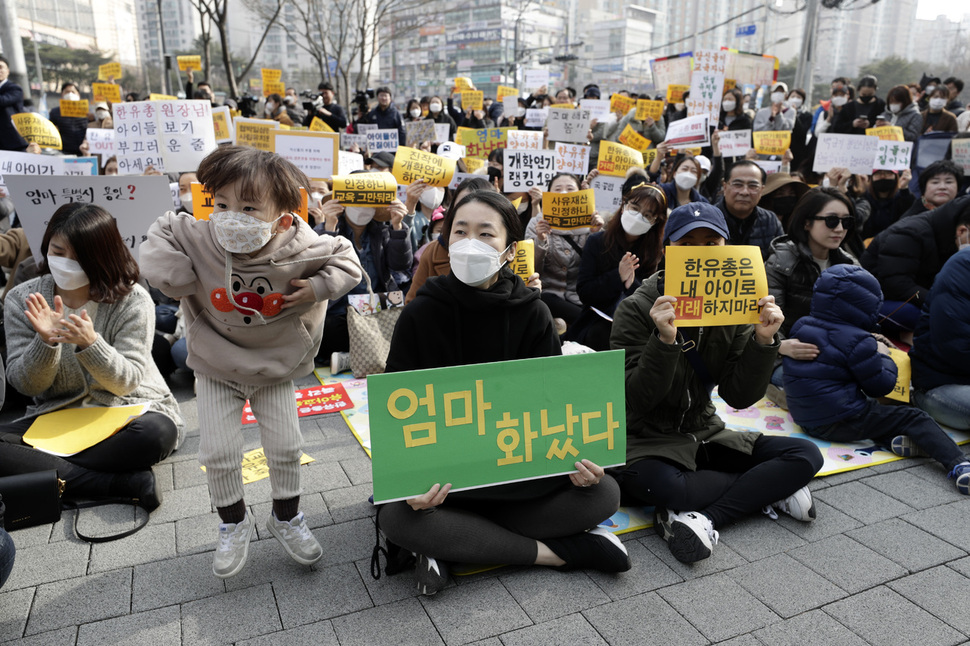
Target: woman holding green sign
x=481, y=313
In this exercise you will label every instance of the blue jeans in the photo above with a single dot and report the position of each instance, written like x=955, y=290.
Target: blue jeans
x=948, y=405
x=180, y=353
x=7, y=552
x=165, y=318
x=778, y=377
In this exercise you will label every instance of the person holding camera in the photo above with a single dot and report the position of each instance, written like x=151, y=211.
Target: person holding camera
x=325, y=108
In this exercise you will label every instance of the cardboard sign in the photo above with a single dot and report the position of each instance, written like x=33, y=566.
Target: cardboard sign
x=348, y=141
x=412, y=165
x=536, y=117
x=734, y=143
x=524, y=263
x=525, y=139
x=772, y=142
x=715, y=285
x=608, y=193
x=202, y=206
x=568, y=211
x=29, y=164
x=134, y=202
x=189, y=63
x=382, y=140
x=633, y=139
x=349, y=162
x=38, y=130
x=74, y=108
x=472, y=100
x=960, y=153
x=480, y=143
x=442, y=133
x=486, y=424
x=675, y=93
x=572, y=158
x=255, y=133
x=101, y=141
x=222, y=125
x=671, y=70
x=315, y=153
x=904, y=374
x=886, y=133
x=504, y=91
x=689, y=132
x=419, y=131
x=854, y=152
x=319, y=125
x=599, y=109
x=365, y=189
x=893, y=155
x=109, y=71
x=622, y=104
x=615, y=159
x=106, y=92
x=524, y=169
x=81, y=166
x=271, y=75
x=172, y=136
x=274, y=87
x=535, y=79
x=571, y=126
x=647, y=108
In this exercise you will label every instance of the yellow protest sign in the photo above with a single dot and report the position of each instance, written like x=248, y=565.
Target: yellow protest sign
x=412, y=164
x=255, y=84
x=886, y=133
x=71, y=430
x=319, y=125
x=256, y=133
x=771, y=142
x=109, y=71
x=649, y=155
x=647, y=108
x=202, y=203
x=730, y=84
x=162, y=97
x=463, y=83
x=564, y=106
x=74, y=108
x=567, y=211
x=904, y=374
x=472, y=100
x=692, y=151
x=675, y=93
x=472, y=163
x=633, y=139
x=524, y=263
x=255, y=467
x=479, y=143
x=189, y=63
x=615, y=158
x=271, y=75
x=715, y=285
x=222, y=124
x=274, y=87
x=504, y=91
x=106, y=92
x=37, y=130
x=364, y=189
x=621, y=104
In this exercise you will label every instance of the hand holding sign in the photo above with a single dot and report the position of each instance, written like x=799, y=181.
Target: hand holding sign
x=770, y=320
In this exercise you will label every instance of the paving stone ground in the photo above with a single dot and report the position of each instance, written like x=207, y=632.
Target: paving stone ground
x=886, y=562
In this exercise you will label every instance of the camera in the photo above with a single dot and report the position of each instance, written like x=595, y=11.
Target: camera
x=361, y=99
x=310, y=94
x=247, y=104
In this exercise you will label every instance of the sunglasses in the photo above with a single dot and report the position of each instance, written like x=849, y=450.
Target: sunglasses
x=832, y=221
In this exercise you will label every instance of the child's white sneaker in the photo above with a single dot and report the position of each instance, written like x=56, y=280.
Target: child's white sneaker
x=339, y=361
x=296, y=538
x=232, y=548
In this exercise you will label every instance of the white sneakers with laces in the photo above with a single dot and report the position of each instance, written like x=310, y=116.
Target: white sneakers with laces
x=232, y=548
x=296, y=538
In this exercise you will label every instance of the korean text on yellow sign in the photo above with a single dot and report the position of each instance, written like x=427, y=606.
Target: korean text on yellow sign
x=771, y=142
x=319, y=125
x=479, y=143
x=412, y=164
x=109, y=71
x=504, y=91
x=647, y=108
x=189, y=63
x=270, y=75
x=675, y=93
x=74, y=108
x=904, y=375
x=886, y=133
x=364, y=189
x=633, y=139
x=463, y=83
x=615, y=159
x=621, y=104
x=472, y=100
x=222, y=124
x=38, y=130
x=256, y=133
x=472, y=163
x=524, y=263
x=715, y=285
x=106, y=92
x=567, y=211
x=274, y=87
x=202, y=206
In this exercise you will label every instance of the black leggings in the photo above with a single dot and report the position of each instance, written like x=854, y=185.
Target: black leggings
x=498, y=532
x=727, y=484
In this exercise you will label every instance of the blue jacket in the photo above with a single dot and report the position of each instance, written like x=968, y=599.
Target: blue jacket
x=848, y=367
x=941, y=351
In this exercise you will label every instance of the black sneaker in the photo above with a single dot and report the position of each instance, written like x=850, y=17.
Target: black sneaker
x=689, y=535
x=597, y=549
x=430, y=574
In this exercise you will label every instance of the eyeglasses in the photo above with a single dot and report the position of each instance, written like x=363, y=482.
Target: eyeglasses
x=738, y=185
x=832, y=221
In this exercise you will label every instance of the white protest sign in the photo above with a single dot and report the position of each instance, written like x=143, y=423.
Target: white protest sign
x=101, y=141
x=734, y=143
x=348, y=141
x=893, y=155
x=707, y=83
x=854, y=152
x=458, y=178
x=173, y=188
x=609, y=193
x=349, y=162
x=13, y=163
x=172, y=136
x=364, y=128
x=769, y=167
x=524, y=139
x=672, y=70
x=535, y=79
x=536, y=117
x=692, y=132
x=135, y=202
x=960, y=153
x=80, y=165
x=524, y=169
x=442, y=132
x=315, y=153
x=382, y=140
x=510, y=106
x=599, y=109
x=572, y=158
x=567, y=125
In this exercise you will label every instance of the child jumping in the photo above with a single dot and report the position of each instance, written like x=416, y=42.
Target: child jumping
x=253, y=282
x=831, y=397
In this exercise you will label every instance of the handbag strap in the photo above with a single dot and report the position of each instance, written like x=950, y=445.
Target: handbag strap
x=694, y=359
x=78, y=506
x=574, y=244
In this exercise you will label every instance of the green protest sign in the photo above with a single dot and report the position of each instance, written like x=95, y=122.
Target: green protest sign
x=493, y=423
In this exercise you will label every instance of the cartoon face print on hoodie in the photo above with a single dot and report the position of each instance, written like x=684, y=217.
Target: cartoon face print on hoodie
x=256, y=296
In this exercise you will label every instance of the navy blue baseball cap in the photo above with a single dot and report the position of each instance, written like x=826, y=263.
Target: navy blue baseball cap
x=695, y=215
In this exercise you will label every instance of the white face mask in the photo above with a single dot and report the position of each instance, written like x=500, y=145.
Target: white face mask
x=929, y=89
x=937, y=103
x=895, y=107
x=360, y=215
x=685, y=180
x=795, y=102
x=634, y=223
x=186, y=199
x=839, y=101
x=435, y=107
x=432, y=198
x=520, y=112
x=777, y=97
x=67, y=273
x=415, y=113
x=473, y=262
x=102, y=114
x=315, y=199
x=240, y=232
x=729, y=105
x=72, y=96
x=680, y=106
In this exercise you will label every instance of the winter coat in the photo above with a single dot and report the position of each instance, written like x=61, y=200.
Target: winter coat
x=910, y=120
x=941, y=350
x=11, y=103
x=389, y=119
x=759, y=228
x=599, y=284
x=557, y=261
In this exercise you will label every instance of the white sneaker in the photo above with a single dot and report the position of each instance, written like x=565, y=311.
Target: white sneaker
x=339, y=361
x=690, y=535
x=296, y=539
x=799, y=506
x=232, y=548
